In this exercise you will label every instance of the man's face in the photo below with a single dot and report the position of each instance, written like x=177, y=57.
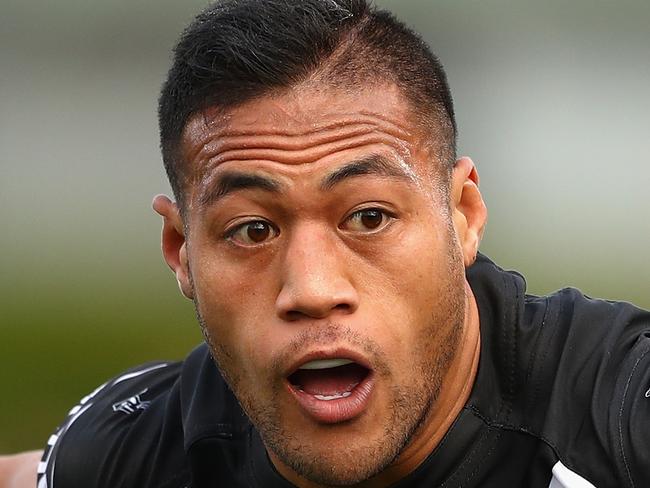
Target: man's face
x=326, y=273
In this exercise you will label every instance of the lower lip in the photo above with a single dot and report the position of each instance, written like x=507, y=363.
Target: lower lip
x=338, y=410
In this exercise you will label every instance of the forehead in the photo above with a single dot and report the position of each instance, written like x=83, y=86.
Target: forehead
x=302, y=109
x=303, y=129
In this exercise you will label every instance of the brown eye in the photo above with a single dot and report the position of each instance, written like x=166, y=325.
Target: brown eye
x=367, y=220
x=371, y=219
x=258, y=231
x=251, y=233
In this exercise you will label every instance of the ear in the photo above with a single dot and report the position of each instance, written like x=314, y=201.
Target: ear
x=174, y=246
x=468, y=209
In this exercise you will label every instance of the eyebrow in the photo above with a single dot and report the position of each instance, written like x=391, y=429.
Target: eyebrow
x=373, y=164
x=231, y=181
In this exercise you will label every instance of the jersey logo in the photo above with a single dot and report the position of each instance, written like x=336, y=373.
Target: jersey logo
x=132, y=404
x=647, y=394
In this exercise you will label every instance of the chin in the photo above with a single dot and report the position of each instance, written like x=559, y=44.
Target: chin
x=341, y=467
x=347, y=454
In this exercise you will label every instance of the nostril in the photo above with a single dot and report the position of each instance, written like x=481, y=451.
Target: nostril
x=293, y=315
x=301, y=313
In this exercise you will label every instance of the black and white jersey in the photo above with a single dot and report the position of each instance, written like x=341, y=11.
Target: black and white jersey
x=561, y=399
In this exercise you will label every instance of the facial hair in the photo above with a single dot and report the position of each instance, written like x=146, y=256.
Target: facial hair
x=409, y=405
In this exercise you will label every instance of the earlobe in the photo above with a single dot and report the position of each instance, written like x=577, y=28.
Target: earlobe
x=173, y=243
x=468, y=208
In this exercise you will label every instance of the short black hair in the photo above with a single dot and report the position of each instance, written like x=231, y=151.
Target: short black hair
x=238, y=50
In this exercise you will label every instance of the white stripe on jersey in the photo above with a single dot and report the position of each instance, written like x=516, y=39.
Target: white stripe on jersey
x=563, y=477
x=138, y=373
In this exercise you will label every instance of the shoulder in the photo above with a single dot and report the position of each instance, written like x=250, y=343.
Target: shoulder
x=592, y=374
x=571, y=373
x=596, y=340
x=151, y=427
x=585, y=335
x=127, y=432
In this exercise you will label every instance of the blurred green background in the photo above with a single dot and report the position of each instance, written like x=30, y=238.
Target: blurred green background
x=552, y=102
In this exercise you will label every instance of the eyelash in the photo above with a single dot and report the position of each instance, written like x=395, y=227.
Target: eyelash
x=386, y=218
x=232, y=232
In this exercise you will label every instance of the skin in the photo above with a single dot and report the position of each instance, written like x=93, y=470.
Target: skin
x=298, y=256
x=19, y=470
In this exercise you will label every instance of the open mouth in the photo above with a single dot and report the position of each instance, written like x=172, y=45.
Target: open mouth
x=331, y=390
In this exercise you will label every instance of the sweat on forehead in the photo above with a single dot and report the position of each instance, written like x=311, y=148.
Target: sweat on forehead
x=306, y=127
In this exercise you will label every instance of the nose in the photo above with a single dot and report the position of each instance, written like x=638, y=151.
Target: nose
x=315, y=278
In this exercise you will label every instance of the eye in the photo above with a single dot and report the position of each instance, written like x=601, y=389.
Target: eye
x=367, y=220
x=252, y=233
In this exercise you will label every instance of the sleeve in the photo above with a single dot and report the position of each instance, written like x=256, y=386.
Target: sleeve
x=97, y=444
x=629, y=412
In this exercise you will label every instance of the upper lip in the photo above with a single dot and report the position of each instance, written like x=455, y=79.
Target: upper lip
x=321, y=353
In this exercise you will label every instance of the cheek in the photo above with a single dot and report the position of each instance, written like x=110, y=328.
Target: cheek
x=410, y=288
x=232, y=306
x=418, y=269
x=236, y=300
x=227, y=288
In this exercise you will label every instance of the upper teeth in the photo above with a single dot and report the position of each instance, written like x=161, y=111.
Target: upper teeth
x=325, y=363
